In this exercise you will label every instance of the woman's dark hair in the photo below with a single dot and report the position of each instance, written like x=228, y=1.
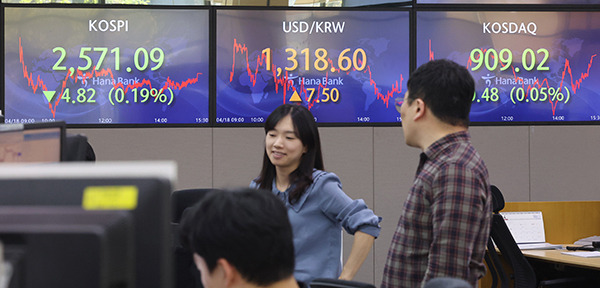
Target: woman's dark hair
x=306, y=130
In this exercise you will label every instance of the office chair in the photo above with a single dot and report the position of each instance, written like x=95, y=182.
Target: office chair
x=78, y=148
x=186, y=274
x=447, y=282
x=182, y=199
x=523, y=274
x=337, y=283
x=491, y=257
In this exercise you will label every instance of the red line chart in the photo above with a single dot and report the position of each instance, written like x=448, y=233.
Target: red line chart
x=36, y=82
x=575, y=81
x=283, y=81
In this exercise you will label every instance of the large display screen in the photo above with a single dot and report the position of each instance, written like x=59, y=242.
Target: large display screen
x=345, y=66
x=569, y=2
x=529, y=67
x=106, y=66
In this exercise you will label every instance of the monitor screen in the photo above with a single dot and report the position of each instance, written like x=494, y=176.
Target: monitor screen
x=67, y=247
x=345, y=66
x=105, y=66
x=530, y=67
x=140, y=188
x=36, y=142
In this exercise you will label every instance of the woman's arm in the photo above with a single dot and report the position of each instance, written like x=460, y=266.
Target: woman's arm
x=361, y=247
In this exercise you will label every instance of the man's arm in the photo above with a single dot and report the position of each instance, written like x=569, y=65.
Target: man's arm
x=457, y=212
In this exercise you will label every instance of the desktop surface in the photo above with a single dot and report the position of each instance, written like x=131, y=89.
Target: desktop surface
x=556, y=256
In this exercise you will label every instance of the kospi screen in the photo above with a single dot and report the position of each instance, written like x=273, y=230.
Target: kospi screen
x=345, y=66
x=529, y=67
x=106, y=66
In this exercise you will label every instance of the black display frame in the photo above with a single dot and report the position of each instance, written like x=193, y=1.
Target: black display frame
x=114, y=7
x=504, y=8
x=413, y=7
x=407, y=9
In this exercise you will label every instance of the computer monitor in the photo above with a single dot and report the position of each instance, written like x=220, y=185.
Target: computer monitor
x=141, y=188
x=33, y=142
x=67, y=247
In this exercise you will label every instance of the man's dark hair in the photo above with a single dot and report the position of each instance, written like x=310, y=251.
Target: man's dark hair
x=446, y=88
x=247, y=227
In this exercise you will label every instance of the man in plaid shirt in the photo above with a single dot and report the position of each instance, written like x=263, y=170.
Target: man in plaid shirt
x=445, y=223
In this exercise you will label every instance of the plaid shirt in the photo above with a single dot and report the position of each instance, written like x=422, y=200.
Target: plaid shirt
x=445, y=225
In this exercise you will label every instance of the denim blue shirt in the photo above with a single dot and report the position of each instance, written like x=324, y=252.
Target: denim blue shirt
x=317, y=219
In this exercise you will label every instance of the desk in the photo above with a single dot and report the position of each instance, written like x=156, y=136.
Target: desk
x=564, y=222
x=555, y=257
x=551, y=264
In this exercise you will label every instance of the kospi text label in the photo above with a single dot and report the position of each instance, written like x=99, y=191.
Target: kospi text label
x=103, y=25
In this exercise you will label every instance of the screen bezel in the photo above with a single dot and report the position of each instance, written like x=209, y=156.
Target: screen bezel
x=113, y=7
x=413, y=7
x=503, y=8
x=107, y=238
x=407, y=9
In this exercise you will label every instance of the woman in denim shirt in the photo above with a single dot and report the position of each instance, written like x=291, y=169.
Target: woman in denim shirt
x=317, y=206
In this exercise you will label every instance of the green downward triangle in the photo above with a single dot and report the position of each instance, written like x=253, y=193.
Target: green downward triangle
x=49, y=95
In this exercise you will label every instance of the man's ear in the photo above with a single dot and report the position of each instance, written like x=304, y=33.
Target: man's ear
x=419, y=109
x=232, y=276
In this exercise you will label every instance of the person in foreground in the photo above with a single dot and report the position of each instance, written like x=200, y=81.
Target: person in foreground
x=445, y=222
x=240, y=238
x=317, y=206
